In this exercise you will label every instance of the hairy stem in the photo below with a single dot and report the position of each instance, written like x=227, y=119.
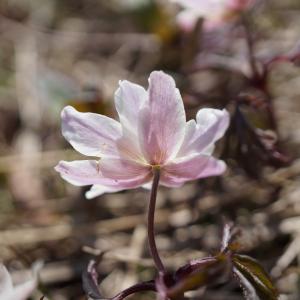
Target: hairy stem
x=151, y=214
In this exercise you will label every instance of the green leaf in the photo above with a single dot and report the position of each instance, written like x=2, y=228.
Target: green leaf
x=197, y=274
x=255, y=282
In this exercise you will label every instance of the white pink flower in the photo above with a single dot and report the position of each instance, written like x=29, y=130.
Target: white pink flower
x=18, y=292
x=152, y=132
x=215, y=12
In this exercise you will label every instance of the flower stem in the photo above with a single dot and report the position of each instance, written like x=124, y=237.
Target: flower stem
x=151, y=214
x=259, y=80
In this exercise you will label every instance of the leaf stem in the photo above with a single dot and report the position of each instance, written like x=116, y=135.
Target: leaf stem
x=151, y=214
x=250, y=45
x=139, y=287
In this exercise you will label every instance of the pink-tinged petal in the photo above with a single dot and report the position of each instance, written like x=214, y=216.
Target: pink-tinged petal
x=129, y=148
x=211, y=126
x=240, y=5
x=80, y=172
x=91, y=134
x=129, y=100
x=122, y=169
x=194, y=4
x=162, y=121
x=170, y=183
x=203, y=8
x=114, y=173
x=213, y=122
x=191, y=168
x=189, y=136
x=6, y=285
x=148, y=185
x=187, y=20
x=98, y=190
x=186, y=4
x=23, y=291
x=216, y=13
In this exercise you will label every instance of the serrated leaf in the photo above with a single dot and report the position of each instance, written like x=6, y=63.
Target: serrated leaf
x=255, y=282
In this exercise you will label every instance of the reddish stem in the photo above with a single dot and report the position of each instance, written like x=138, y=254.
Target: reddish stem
x=151, y=214
x=139, y=287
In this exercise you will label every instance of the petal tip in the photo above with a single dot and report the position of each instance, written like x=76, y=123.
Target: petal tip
x=226, y=117
x=161, y=76
x=66, y=111
x=225, y=112
x=57, y=167
x=222, y=166
x=121, y=83
x=90, y=195
x=60, y=167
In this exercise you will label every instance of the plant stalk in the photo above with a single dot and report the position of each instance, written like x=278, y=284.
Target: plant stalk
x=151, y=215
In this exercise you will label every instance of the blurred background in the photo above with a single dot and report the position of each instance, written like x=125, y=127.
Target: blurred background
x=55, y=53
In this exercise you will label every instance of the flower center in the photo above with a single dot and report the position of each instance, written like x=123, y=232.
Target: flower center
x=156, y=167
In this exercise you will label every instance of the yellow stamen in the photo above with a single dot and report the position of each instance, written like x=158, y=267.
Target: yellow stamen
x=156, y=167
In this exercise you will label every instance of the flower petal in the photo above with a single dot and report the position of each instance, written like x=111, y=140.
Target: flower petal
x=91, y=134
x=80, y=172
x=129, y=99
x=192, y=4
x=190, y=168
x=204, y=8
x=98, y=190
x=211, y=126
x=6, y=285
x=24, y=290
x=167, y=182
x=148, y=185
x=21, y=291
x=114, y=173
x=187, y=19
x=239, y=5
x=162, y=121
